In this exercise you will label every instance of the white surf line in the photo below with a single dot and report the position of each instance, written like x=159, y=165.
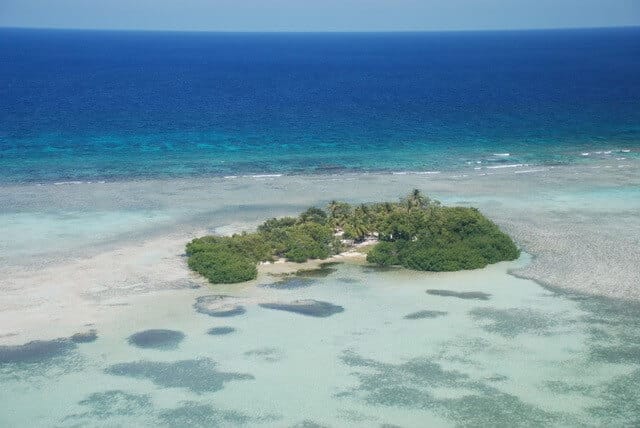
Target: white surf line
x=528, y=171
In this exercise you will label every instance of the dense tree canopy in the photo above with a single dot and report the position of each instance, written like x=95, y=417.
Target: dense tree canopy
x=417, y=233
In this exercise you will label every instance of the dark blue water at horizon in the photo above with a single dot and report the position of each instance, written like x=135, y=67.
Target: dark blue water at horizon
x=84, y=105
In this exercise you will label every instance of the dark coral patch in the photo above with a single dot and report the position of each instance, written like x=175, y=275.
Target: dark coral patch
x=198, y=376
x=469, y=295
x=219, y=305
x=493, y=408
x=267, y=354
x=308, y=424
x=194, y=414
x=617, y=354
x=513, y=321
x=411, y=384
x=85, y=337
x=199, y=415
x=113, y=403
x=36, y=351
x=291, y=283
x=345, y=280
x=323, y=271
x=312, y=308
x=156, y=339
x=425, y=314
x=220, y=331
x=619, y=400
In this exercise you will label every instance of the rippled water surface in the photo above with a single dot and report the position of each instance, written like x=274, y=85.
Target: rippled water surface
x=100, y=105
x=117, y=148
x=486, y=349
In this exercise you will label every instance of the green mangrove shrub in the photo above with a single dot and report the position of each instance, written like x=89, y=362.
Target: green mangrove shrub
x=417, y=233
x=438, y=238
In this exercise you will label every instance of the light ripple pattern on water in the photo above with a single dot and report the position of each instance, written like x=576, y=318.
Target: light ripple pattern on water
x=472, y=366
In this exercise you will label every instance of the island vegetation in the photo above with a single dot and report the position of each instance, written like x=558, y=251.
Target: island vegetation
x=417, y=233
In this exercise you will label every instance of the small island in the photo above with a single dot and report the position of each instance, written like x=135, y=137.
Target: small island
x=417, y=233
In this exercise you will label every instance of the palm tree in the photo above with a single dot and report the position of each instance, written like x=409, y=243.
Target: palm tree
x=333, y=207
x=339, y=212
x=416, y=199
x=357, y=228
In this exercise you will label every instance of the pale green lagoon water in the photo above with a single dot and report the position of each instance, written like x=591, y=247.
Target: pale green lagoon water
x=522, y=355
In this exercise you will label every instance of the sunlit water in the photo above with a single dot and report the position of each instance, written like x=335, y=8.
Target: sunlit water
x=101, y=105
x=510, y=354
x=406, y=350
x=141, y=141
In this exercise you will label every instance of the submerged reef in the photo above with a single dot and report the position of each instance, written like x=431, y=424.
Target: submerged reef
x=219, y=305
x=112, y=403
x=266, y=354
x=220, y=331
x=416, y=233
x=35, y=351
x=424, y=314
x=308, y=424
x=469, y=295
x=156, y=339
x=413, y=384
x=85, y=337
x=194, y=414
x=38, y=351
x=312, y=308
x=291, y=282
x=512, y=322
x=198, y=375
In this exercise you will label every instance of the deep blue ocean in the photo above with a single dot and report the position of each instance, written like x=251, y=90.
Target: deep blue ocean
x=87, y=105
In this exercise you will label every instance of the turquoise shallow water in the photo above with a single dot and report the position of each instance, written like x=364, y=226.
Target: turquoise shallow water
x=515, y=354
x=107, y=256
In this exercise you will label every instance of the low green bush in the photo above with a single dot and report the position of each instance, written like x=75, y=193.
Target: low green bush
x=251, y=245
x=438, y=238
x=423, y=256
x=384, y=254
x=223, y=267
x=305, y=249
x=229, y=259
x=276, y=223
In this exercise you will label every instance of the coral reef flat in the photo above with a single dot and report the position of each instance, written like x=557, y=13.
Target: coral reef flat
x=62, y=284
x=396, y=355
